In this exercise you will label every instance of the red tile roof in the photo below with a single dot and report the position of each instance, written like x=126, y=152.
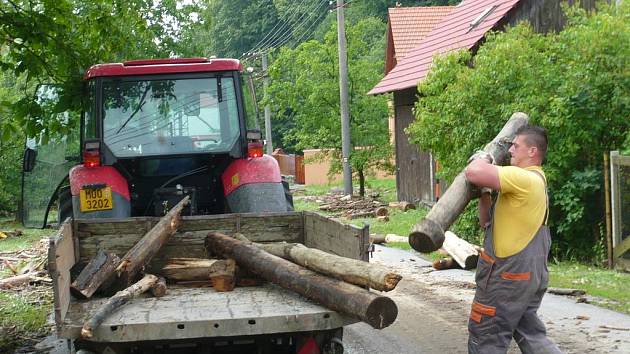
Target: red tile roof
x=411, y=24
x=452, y=33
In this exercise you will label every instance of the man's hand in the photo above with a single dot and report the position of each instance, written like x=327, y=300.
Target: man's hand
x=480, y=154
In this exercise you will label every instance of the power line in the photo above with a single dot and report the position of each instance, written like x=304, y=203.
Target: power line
x=272, y=33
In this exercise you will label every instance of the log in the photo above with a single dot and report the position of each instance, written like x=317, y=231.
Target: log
x=381, y=211
x=428, y=234
x=223, y=276
x=462, y=252
x=10, y=266
x=159, y=288
x=352, y=271
x=15, y=281
x=378, y=239
x=142, y=252
x=376, y=310
x=445, y=263
x=96, y=272
x=566, y=292
x=403, y=206
x=190, y=269
x=116, y=301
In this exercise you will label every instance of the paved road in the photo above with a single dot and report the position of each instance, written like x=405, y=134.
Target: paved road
x=434, y=306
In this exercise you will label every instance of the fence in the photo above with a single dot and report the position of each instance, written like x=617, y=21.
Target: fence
x=290, y=165
x=620, y=208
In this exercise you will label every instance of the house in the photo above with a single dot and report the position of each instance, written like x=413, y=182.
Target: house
x=464, y=27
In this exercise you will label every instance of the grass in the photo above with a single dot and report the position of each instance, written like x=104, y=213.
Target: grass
x=611, y=288
x=24, y=241
x=22, y=316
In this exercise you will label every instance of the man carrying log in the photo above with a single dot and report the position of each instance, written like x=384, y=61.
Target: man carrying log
x=512, y=271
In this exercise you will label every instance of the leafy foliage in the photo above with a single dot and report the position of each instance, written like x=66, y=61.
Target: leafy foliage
x=313, y=103
x=578, y=92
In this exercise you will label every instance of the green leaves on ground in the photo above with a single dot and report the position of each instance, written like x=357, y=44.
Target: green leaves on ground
x=574, y=83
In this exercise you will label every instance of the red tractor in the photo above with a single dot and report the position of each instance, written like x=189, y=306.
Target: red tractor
x=152, y=132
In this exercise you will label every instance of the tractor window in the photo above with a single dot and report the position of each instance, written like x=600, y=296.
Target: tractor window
x=168, y=117
x=89, y=120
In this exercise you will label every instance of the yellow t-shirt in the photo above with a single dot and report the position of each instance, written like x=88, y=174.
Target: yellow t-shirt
x=519, y=210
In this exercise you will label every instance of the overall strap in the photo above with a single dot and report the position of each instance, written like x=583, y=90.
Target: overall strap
x=546, y=218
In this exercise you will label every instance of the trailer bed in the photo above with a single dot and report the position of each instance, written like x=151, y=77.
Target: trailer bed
x=198, y=312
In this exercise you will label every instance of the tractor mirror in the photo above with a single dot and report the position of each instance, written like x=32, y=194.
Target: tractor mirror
x=28, y=163
x=254, y=134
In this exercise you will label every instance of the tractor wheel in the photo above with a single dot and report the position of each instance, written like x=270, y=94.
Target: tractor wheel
x=64, y=205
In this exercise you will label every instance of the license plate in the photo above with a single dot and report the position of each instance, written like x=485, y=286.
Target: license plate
x=94, y=199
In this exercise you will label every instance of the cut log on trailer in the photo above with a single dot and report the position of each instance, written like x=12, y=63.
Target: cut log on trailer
x=465, y=254
x=191, y=269
x=376, y=310
x=428, y=234
x=98, y=270
x=159, y=288
x=223, y=277
x=349, y=270
x=116, y=301
x=142, y=252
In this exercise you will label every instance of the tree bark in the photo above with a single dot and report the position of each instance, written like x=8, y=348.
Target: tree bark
x=98, y=270
x=191, y=269
x=378, y=311
x=142, y=252
x=462, y=252
x=116, y=301
x=159, y=288
x=352, y=271
x=428, y=234
x=223, y=276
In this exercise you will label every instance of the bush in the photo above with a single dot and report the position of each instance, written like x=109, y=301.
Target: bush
x=575, y=83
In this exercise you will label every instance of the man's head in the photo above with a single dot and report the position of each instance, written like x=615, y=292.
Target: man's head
x=529, y=146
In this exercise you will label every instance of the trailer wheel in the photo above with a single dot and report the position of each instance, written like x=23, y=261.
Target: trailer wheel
x=64, y=205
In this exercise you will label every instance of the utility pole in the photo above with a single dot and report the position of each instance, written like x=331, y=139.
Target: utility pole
x=343, y=100
x=267, y=108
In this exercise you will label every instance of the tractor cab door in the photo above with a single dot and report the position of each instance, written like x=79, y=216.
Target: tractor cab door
x=47, y=160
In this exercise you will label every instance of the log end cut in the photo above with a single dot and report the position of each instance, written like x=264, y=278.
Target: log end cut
x=471, y=262
x=381, y=312
x=426, y=236
x=391, y=280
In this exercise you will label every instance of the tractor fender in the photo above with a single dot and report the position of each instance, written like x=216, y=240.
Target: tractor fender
x=81, y=177
x=254, y=185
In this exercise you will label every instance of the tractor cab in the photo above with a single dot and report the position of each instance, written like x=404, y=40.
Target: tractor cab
x=154, y=131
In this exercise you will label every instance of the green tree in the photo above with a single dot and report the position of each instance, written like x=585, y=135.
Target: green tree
x=305, y=87
x=579, y=92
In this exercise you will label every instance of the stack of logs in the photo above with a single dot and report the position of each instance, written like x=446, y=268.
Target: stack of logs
x=338, y=283
x=358, y=208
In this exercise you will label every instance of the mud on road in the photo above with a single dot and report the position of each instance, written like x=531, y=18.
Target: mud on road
x=433, y=309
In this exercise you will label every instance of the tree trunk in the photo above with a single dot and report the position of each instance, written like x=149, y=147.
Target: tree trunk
x=142, y=252
x=98, y=270
x=378, y=311
x=462, y=252
x=361, y=183
x=116, y=301
x=159, y=288
x=428, y=234
x=352, y=271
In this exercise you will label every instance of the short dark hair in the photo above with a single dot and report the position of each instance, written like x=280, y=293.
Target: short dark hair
x=534, y=136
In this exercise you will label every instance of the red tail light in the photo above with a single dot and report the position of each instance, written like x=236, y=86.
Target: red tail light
x=92, y=154
x=254, y=149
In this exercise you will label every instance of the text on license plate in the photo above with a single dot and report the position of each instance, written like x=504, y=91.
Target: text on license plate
x=96, y=199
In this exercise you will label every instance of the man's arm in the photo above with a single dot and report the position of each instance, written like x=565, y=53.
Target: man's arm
x=483, y=174
x=485, y=202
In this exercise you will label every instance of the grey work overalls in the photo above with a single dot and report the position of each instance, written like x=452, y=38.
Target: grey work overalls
x=509, y=292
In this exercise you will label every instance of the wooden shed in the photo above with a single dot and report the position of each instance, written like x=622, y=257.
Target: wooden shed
x=462, y=27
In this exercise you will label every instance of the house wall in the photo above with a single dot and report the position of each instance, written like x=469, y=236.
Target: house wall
x=316, y=172
x=414, y=168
